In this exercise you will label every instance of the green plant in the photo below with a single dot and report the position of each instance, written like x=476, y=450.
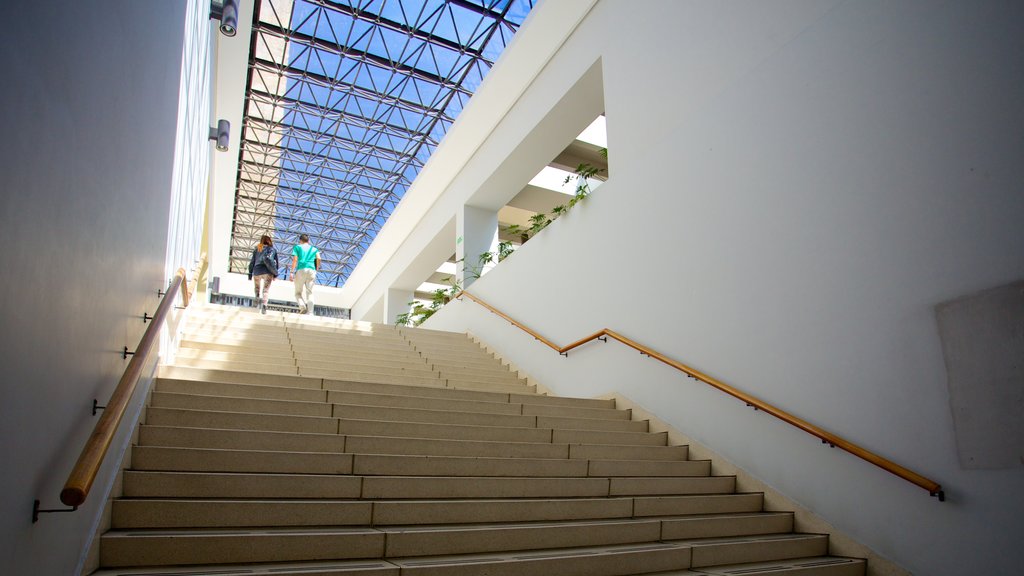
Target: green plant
x=420, y=312
x=539, y=221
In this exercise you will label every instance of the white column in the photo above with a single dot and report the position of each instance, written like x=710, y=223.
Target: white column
x=396, y=302
x=476, y=232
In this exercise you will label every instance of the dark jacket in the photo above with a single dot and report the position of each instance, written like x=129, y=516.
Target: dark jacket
x=263, y=262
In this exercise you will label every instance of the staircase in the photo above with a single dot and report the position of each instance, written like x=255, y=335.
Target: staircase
x=289, y=445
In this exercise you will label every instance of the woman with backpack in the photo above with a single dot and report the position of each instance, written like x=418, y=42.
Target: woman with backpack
x=263, y=269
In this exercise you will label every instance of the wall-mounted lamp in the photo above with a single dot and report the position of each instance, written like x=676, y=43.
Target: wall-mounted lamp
x=221, y=134
x=227, y=12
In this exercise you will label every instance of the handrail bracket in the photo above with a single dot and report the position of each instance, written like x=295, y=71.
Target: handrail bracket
x=36, y=510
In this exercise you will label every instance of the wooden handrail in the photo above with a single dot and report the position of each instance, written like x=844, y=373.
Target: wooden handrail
x=826, y=437
x=82, y=476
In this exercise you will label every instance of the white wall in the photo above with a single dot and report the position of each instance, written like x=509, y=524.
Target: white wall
x=190, y=186
x=415, y=239
x=795, y=185
x=90, y=103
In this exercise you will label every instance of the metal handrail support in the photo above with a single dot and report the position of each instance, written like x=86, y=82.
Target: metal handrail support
x=933, y=488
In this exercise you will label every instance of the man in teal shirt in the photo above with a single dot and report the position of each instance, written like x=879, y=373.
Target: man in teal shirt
x=305, y=263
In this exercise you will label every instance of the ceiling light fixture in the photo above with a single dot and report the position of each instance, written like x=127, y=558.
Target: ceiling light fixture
x=221, y=133
x=227, y=12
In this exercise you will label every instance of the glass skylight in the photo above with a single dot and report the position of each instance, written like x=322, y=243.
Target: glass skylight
x=345, y=102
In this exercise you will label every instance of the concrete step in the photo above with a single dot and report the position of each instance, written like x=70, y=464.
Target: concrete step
x=268, y=367
x=335, y=353
x=484, y=538
x=458, y=374
x=320, y=342
x=170, y=436
x=374, y=331
x=607, y=403
x=164, y=484
x=410, y=390
x=343, y=366
x=190, y=459
x=195, y=349
x=250, y=326
x=499, y=487
x=239, y=390
x=494, y=433
x=368, y=399
x=238, y=336
x=394, y=414
x=463, y=448
x=457, y=354
x=569, y=423
x=482, y=395
x=591, y=561
x=612, y=452
x=489, y=386
x=352, y=376
x=619, y=560
x=609, y=437
x=247, y=317
x=726, y=525
x=363, y=358
x=159, y=458
x=228, y=345
x=236, y=404
x=476, y=406
x=398, y=414
x=236, y=377
x=367, y=329
x=186, y=513
x=576, y=412
x=313, y=322
x=766, y=548
x=397, y=396
x=450, y=339
x=180, y=417
x=676, y=469
x=248, y=356
x=671, y=486
x=477, y=371
x=415, y=333
x=183, y=547
x=173, y=436
x=361, y=567
x=471, y=359
x=368, y=356
x=187, y=418
x=814, y=566
x=144, y=484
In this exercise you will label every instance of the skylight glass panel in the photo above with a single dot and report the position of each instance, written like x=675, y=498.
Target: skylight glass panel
x=346, y=101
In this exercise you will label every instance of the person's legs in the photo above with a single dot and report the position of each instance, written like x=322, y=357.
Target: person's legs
x=304, y=290
x=265, y=280
x=300, y=299
x=310, y=282
x=256, y=288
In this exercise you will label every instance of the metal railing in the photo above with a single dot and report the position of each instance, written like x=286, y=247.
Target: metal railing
x=933, y=488
x=82, y=476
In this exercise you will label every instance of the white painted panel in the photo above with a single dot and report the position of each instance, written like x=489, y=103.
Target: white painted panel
x=797, y=185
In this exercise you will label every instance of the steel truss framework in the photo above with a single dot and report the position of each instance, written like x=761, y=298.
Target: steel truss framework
x=345, y=102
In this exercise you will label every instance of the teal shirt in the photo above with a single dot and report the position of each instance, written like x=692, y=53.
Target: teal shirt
x=305, y=256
